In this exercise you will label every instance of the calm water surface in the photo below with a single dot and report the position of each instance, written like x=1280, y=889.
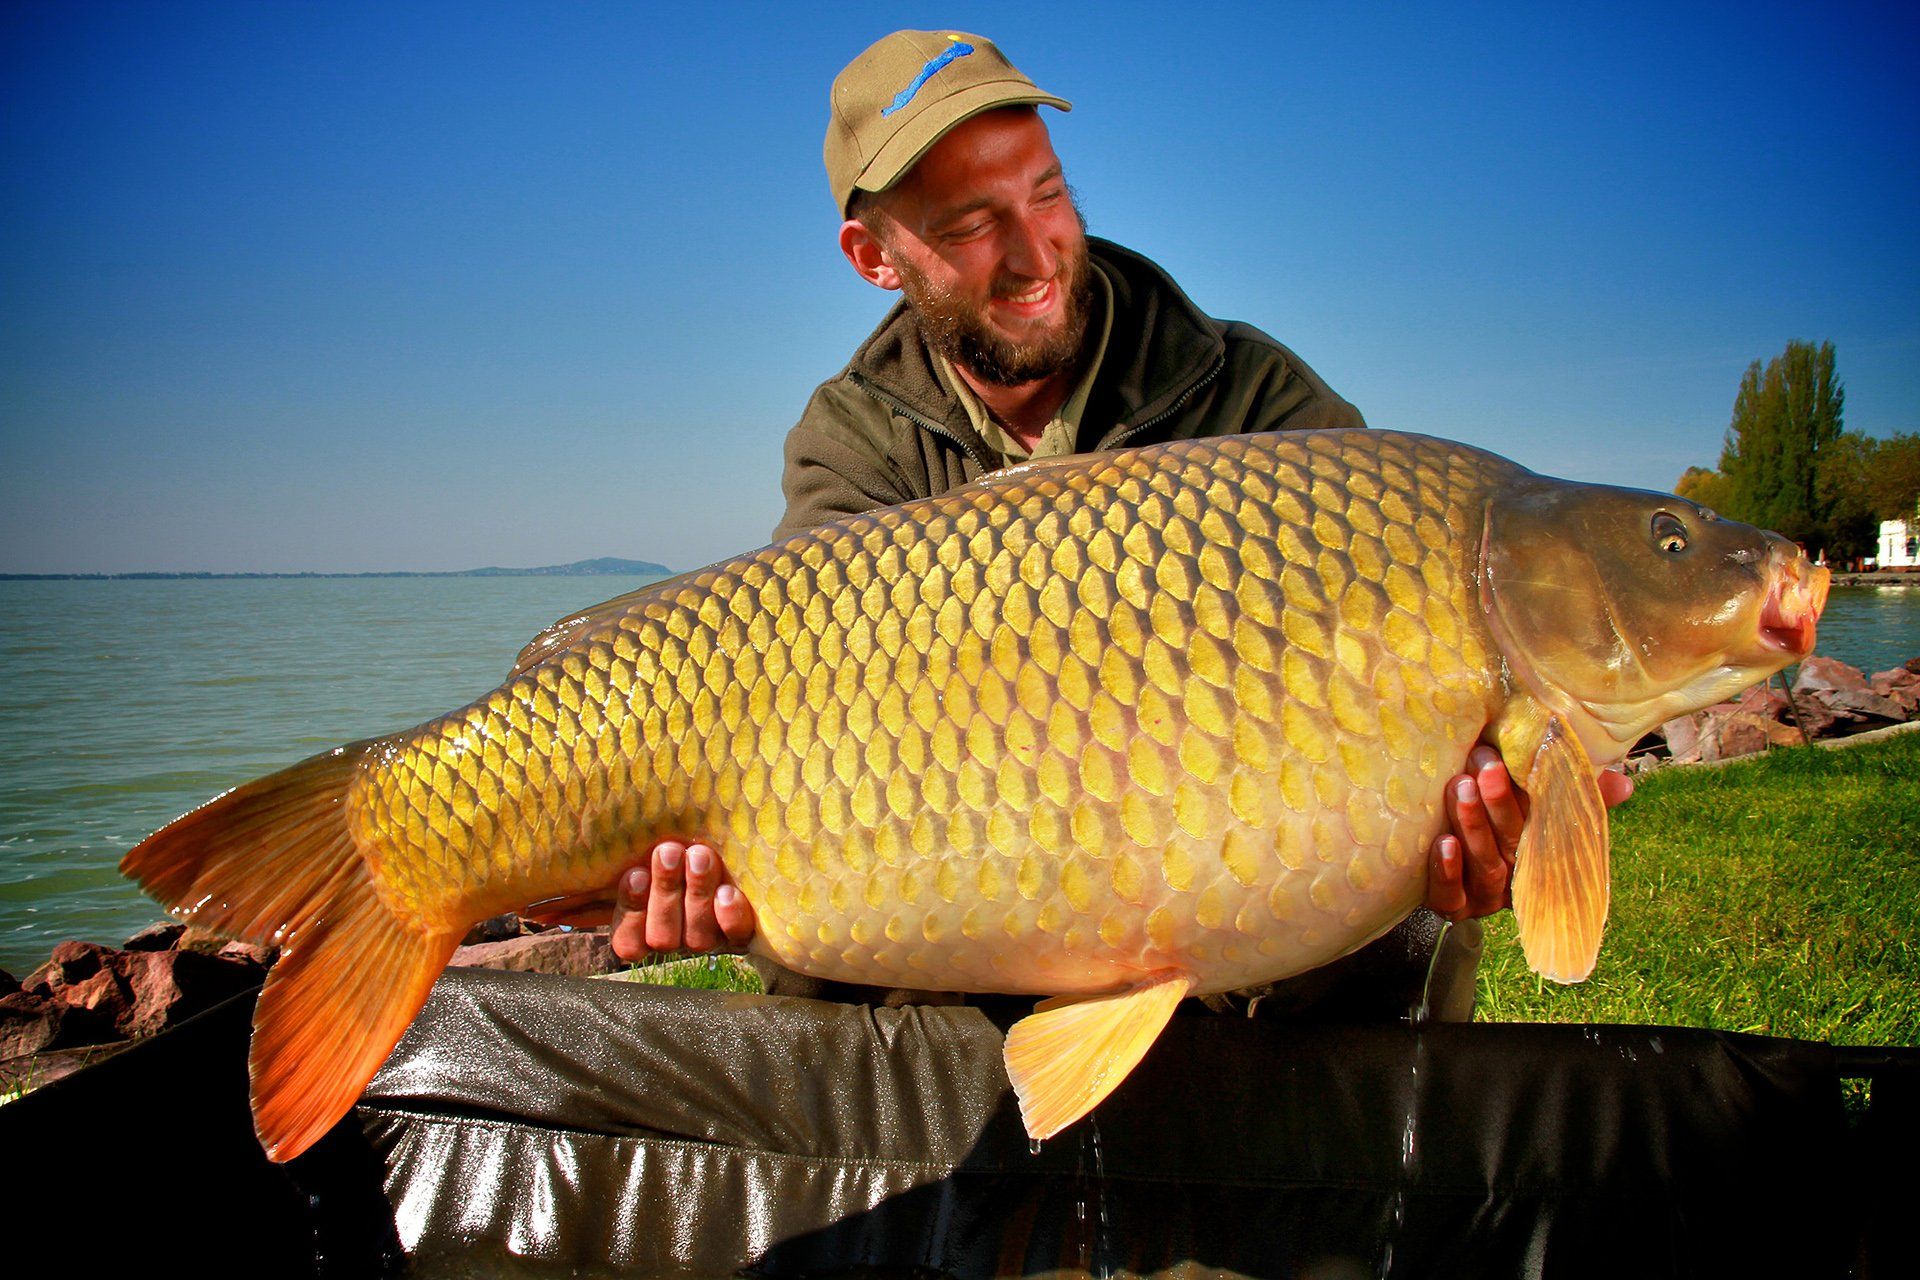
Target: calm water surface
x=123, y=704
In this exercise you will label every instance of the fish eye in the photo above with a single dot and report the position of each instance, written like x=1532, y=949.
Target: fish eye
x=1668, y=533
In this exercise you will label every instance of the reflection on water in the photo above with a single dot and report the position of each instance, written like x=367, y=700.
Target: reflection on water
x=127, y=703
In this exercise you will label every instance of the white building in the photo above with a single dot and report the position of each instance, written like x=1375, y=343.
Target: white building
x=1899, y=544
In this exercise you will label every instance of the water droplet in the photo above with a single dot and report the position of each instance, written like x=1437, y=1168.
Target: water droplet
x=1033, y=1146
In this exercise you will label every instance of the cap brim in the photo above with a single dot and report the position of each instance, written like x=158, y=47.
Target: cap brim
x=906, y=147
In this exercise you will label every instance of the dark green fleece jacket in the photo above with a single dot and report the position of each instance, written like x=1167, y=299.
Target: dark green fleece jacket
x=886, y=429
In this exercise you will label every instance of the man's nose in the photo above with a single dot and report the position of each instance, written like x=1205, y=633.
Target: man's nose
x=1030, y=252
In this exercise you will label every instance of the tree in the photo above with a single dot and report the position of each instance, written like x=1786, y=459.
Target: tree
x=1893, y=476
x=1786, y=419
x=1708, y=488
x=1842, y=481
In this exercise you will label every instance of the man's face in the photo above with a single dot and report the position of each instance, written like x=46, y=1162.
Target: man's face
x=990, y=250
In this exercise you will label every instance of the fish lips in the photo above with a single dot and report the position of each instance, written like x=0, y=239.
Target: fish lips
x=1789, y=620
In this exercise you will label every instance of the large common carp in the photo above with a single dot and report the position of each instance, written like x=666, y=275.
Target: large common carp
x=1113, y=729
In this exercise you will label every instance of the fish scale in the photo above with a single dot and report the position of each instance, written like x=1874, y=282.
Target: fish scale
x=1191, y=706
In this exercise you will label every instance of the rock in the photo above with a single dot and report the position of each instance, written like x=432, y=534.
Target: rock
x=1683, y=736
x=202, y=941
x=499, y=929
x=248, y=953
x=168, y=987
x=1804, y=712
x=1900, y=686
x=162, y=935
x=1862, y=705
x=1727, y=730
x=1818, y=673
x=573, y=954
x=71, y=962
x=8, y=983
x=1739, y=733
x=136, y=993
x=32, y=1022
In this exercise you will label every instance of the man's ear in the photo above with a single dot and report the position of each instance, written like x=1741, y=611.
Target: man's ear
x=867, y=254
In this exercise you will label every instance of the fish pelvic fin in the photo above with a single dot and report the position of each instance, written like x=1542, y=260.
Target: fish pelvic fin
x=1071, y=1052
x=275, y=862
x=1561, y=879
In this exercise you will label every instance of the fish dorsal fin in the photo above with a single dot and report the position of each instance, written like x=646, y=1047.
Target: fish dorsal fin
x=1071, y=1052
x=554, y=638
x=1560, y=878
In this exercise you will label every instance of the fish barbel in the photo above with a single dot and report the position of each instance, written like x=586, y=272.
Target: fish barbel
x=1112, y=728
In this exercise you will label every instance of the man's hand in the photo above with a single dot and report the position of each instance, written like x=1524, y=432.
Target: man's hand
x=1470, y=869
x=681, y=899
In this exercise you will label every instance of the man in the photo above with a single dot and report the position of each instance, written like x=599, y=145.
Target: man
x=1018, y=337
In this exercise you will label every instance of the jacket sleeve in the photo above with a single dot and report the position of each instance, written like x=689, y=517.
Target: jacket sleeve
x=837, y=460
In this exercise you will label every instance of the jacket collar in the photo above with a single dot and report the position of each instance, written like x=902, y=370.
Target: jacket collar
x=1160, y=347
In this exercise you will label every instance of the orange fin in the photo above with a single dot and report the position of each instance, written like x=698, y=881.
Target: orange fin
x=1560, y=878
x=274, y=862
x=1071, y=1052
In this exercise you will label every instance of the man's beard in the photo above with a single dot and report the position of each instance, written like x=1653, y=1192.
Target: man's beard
x=960, y=331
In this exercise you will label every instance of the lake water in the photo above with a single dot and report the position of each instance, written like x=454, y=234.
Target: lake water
x=125, y=703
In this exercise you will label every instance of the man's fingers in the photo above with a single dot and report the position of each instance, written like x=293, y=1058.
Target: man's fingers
x=1484, y=871
x=1446, y=896
x=1505, y=804
x=735, y=914
x=703, y=877
x=666, y=901
x=1615, y=787
x=629, y=938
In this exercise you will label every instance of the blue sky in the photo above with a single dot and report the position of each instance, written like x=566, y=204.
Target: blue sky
x=431, y=286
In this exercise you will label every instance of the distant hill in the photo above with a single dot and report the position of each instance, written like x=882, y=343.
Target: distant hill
x=578, y=569
x=602, y=567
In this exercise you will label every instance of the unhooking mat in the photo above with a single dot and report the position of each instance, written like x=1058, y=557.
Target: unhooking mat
x=535, y=1126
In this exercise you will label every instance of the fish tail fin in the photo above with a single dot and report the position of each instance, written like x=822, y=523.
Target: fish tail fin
x=1071, y=1052
x=275, y=862
x=1560, y=872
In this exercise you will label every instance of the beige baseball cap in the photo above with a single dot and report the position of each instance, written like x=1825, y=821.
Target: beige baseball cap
x=899, y=97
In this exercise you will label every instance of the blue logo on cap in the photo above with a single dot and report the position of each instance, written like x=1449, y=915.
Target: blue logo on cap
x=958, y=49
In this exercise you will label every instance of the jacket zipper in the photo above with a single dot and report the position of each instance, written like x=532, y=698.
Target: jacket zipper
x=937, y=428
x=1125, y=434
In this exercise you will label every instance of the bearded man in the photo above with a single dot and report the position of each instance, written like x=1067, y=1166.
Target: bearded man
x=1018, y=337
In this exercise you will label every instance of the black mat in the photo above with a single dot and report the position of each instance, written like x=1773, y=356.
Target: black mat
x=544, y=1126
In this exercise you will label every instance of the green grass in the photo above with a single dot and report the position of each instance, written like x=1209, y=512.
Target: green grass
x=694, y=973
x=1778, y=895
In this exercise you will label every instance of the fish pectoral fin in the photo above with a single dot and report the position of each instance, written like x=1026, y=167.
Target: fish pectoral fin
x=1560, y=878
x=1071, y=1051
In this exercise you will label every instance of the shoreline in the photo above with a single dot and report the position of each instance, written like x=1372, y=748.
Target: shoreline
x=1878, y=578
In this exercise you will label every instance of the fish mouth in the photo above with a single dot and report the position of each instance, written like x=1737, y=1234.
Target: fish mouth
x=1789, y=619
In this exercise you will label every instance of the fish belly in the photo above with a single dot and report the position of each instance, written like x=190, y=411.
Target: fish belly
x=1183, y=708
